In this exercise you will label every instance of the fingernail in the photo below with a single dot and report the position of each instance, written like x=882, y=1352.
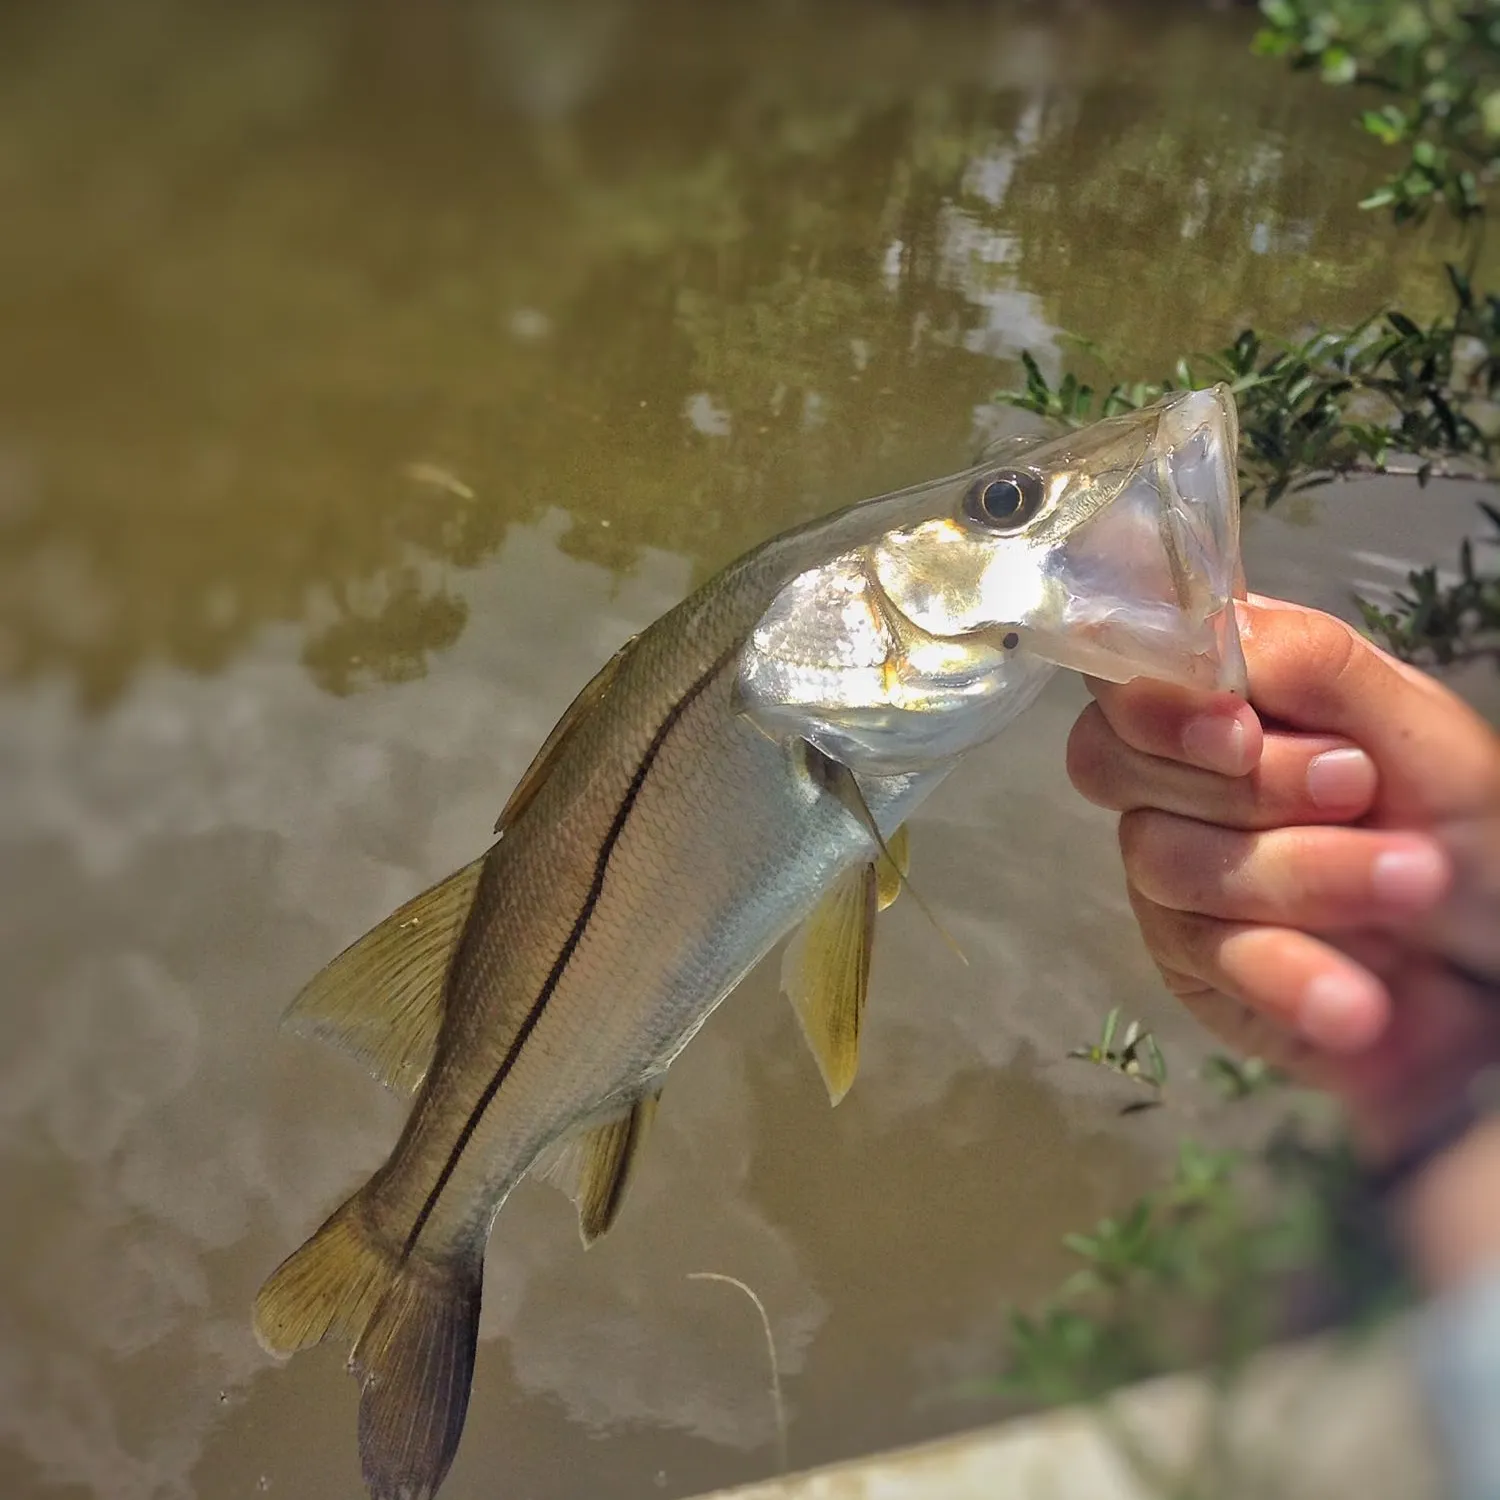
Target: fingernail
x=1341, y=780
x=1218, y=743
x=1412, y=877
x=1341, y=1011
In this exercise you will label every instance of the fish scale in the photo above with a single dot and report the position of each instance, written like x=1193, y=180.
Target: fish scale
x=742, y=766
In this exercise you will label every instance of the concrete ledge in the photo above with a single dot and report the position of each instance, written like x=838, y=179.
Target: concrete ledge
x=1323, y=1420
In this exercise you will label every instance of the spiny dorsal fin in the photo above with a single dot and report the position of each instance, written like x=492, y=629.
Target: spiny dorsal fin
x=594, y=1167
x=894, y=866
x=381, y=999
x=541, y=763
x=826, y=974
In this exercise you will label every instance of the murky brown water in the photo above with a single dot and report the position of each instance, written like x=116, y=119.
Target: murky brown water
x=368, y=371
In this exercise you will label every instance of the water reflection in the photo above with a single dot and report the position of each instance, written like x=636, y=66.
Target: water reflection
x=177, y=871
x=253, y=274
x=367, y=373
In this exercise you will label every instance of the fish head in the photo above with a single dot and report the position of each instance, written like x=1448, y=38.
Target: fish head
x=1112, y=550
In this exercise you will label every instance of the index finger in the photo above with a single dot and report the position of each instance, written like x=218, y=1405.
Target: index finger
x=1213, y=731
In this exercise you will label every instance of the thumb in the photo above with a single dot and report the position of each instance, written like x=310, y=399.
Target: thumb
x=1437, y=759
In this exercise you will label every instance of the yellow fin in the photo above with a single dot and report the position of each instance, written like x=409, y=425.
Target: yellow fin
x=595, y=1166
x=330, y=1285
x=894, y=866
x=541, y=763
x=826, y=974
x=842, y=782
x=381, y=999
x=413, y=1321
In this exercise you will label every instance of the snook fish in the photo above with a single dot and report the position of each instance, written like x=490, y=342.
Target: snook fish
x=744, y=765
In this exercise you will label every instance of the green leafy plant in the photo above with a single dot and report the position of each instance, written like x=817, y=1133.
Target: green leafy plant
x=1237, y=1249
x=1439, y=65
x=1240, y=1078
x=1334, y=405
x=1137, y=1055
x=1444, y=622
x=1392, y=395
x=1147, y=1277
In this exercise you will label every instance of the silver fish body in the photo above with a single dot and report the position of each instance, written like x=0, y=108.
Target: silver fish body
x=746, y=764
x=673, y=845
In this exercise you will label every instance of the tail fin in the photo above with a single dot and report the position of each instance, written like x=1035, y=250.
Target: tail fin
x=414, y=1325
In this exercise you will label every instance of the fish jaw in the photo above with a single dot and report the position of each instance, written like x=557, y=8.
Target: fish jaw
x=1146, y=587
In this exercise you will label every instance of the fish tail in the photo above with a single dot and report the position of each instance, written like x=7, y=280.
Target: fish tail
x=414, y=1322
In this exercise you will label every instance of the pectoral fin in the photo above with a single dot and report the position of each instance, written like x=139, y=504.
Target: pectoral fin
x=894, y=866
x=594, y=1168
x=894, y=854
x=826, y=974
x=381, y=999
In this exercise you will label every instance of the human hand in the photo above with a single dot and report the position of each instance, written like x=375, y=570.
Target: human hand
x=1305, y=876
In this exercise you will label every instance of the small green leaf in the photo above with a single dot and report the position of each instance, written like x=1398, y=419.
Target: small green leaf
x=1388, y=125
x=1107, y=1036
x=1339, y=66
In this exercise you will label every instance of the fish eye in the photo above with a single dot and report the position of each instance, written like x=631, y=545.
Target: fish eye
x=1005, y=501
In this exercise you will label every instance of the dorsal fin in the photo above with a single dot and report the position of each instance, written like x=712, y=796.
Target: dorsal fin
x=541, y=763
x=594, y=1166
x=381, y=999
x=826, y=974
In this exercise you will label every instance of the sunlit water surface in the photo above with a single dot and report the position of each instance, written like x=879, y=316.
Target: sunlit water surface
x=368, y=372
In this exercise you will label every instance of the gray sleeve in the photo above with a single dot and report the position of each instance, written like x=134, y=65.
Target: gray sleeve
x=1458, y=1353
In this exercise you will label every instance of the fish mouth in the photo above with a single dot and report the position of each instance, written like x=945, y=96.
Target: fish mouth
x=1146, y=586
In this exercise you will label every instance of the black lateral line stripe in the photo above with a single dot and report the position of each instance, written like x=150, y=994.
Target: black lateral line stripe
x=554, y=977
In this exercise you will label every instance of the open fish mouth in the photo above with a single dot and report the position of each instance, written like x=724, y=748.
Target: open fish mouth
x=1145, y=587
x=1112, y=550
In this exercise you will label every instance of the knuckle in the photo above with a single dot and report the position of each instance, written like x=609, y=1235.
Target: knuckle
x=1150, y=848
x=1159, y=932
x=1184, y=945
x=1197, y=941
x=1326, y=651
x=1134, y=835
x=1088, y=755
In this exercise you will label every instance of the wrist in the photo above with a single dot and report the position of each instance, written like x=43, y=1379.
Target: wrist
x=1446, y=1212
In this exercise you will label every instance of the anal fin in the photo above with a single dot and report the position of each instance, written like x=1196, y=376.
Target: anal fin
x=381, y=999
x=595, y=1166
x=826, y=974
